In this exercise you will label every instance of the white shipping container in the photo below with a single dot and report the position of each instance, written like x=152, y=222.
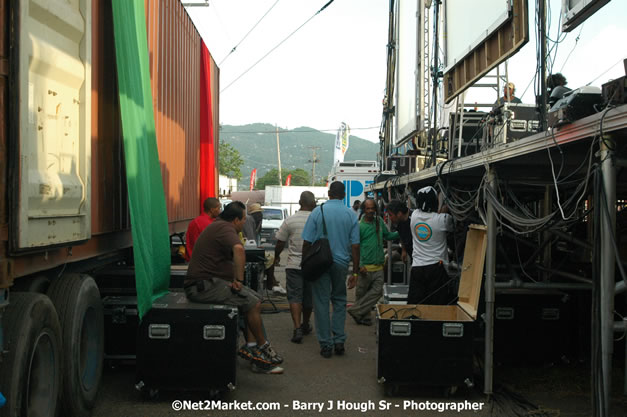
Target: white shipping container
x=287, y=196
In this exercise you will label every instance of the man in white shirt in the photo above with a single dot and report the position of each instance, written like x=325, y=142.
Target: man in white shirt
x=298, y=289
x=428, y=283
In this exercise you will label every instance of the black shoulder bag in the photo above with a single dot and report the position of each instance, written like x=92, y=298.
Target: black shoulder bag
x=319, y=257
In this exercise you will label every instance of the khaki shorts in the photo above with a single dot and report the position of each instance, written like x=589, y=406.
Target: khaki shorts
x=218, y=291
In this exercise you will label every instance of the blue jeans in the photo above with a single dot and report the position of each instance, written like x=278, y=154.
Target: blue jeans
x=331, y=286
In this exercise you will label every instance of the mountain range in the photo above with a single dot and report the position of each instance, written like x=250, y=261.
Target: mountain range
x=257, y=144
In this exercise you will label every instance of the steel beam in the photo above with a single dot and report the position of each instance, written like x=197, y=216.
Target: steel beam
x=490, y=270
x=608, y=228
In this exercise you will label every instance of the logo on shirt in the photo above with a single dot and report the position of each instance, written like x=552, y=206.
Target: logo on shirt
x=423, y=231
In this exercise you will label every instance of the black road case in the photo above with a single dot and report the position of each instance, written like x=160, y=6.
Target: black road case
x=121, y=322
x=183, y=345
x=532, y=326
x=428, y=344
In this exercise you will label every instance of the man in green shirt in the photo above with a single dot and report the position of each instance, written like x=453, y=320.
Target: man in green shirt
x=372, y=232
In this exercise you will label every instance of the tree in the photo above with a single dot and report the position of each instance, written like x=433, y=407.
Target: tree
x=299, y=177
x=229, y=161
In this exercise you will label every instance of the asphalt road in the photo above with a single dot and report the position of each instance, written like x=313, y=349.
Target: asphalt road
x=340, y=386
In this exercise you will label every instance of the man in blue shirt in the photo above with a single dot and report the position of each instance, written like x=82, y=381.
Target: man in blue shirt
x=343, y=234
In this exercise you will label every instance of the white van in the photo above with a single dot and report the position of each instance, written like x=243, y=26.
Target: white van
x=355, y=175
x=273, y=218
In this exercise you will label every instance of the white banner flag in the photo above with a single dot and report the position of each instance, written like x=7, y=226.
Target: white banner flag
x=341, y=143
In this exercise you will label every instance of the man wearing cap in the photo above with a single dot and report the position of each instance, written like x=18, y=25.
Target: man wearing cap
x=211, y=210
x=252, y=228
x=508, y=95
x=428, y=282
x=342, y=230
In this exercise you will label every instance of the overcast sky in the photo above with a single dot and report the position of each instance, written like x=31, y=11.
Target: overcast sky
x=333, y=69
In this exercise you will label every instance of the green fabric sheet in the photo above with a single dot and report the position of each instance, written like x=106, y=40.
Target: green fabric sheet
x=149, y=219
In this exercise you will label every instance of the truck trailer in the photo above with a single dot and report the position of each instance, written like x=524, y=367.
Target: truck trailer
x=64, y=204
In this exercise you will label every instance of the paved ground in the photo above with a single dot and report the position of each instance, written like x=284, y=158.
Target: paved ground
x=350, y=381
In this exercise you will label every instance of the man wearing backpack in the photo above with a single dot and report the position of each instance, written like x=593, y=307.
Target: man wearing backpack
x=342, y=231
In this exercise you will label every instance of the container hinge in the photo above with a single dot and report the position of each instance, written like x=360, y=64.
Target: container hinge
x=452, y=330
x=6, y=273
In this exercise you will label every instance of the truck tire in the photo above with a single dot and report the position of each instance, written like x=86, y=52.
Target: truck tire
x=30, y=370
x=38, y=284
x=78, y=303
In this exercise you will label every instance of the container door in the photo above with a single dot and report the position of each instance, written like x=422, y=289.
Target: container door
x=52, y=126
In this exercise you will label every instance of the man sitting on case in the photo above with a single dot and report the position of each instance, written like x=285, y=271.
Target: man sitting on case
x=215, y=276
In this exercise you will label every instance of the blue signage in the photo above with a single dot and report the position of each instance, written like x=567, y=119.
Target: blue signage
x=355, y=190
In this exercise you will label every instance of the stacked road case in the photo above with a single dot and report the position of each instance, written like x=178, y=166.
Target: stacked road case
x=183, y=345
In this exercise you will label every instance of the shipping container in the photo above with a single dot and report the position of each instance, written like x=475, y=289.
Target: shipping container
x=287, y=197
x=63, y=196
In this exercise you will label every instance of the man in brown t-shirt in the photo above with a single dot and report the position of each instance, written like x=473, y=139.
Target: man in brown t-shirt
x=216, y=274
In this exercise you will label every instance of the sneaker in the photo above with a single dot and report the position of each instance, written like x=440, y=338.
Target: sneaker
x=357, y=319
x=339, y=349
x=268, y=352
x=306, y=328
x=246, y=352
x=267, y=369
x=279, y=290
x=326, y=352
x=297, y=337
x=366, y=322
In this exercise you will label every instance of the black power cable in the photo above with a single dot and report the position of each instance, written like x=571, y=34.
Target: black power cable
x=276, y=46
x=248, y=33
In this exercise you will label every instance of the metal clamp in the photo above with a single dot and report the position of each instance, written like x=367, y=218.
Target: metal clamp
x=550, y=314
x=452, y=330
x=400, y=328
x=213, y=332
x=504, y=313
x=159, y=331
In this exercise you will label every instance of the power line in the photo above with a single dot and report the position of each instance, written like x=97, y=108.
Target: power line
x=279, y=44
x=301, y=131
x=246, y=35
x=606, y=71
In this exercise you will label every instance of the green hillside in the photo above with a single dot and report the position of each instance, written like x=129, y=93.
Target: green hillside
x=257, y=145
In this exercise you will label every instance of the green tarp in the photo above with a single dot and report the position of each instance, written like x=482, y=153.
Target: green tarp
x=149, y=219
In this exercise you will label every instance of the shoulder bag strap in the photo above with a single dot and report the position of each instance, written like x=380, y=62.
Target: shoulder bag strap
x=324, y=225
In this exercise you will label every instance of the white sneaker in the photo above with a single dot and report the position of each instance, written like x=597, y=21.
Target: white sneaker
x=279, y=290
x=268, y=369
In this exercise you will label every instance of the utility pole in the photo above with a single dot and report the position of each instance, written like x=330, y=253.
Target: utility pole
x=313, y=166
x=543, y=99
x=278, y=151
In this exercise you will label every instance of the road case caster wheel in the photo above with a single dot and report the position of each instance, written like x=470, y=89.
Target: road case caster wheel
x=450, y=391
x=391, y=390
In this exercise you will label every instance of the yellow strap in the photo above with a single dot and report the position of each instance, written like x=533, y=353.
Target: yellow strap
x=373, y=268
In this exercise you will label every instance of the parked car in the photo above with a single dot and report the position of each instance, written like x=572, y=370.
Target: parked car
x=273, y=218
